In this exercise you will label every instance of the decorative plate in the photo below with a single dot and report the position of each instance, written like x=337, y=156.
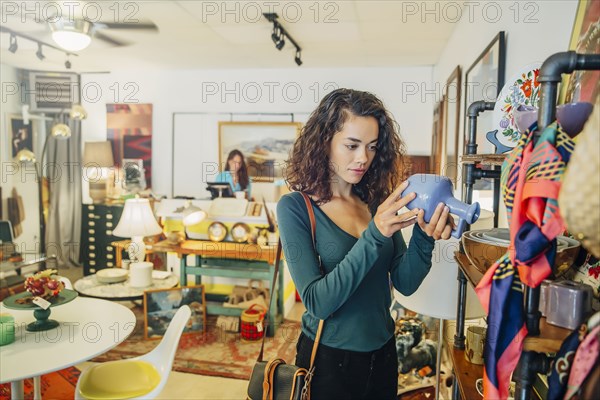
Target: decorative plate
x=521, y=88
x=112, y=275
x=240, y=232
x=217, y=231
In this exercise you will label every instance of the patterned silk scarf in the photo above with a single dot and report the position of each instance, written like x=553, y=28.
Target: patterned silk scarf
x=530, y=181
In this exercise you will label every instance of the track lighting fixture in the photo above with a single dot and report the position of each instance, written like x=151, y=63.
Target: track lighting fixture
x=39, y=53
x=279, y=34
x=13, y=44
x=297, y=58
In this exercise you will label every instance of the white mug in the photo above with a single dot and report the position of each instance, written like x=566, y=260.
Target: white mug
x=240, y=195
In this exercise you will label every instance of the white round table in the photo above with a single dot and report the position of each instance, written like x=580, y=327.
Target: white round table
x=88, y=327
x=89, y=286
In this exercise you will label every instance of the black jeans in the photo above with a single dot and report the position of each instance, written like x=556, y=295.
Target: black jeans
x=344, y=374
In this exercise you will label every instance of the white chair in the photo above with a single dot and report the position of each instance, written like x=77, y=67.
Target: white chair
x=141, y=377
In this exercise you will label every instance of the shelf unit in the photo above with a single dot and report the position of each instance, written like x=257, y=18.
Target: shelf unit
x=542, y=338
x=549, y=340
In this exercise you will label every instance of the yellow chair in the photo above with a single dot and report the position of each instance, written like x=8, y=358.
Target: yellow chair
x=141, y=377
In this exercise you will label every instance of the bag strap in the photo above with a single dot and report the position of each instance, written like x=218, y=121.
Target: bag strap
x=313, y=228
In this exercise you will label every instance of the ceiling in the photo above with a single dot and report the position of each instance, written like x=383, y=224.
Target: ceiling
x=234, y=34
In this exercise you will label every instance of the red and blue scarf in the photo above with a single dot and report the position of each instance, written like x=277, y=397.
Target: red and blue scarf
x=530, y=182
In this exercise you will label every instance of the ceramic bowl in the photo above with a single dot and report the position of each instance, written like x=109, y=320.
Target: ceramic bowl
x=571, y=116
x=482, y=254
x=524, y=116
x=484, y=247
x=112, y=275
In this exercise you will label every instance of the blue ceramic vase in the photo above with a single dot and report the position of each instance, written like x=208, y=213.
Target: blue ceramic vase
x=434, y=189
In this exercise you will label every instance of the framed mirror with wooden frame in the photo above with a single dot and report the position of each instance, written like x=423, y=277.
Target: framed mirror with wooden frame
x=450, y=167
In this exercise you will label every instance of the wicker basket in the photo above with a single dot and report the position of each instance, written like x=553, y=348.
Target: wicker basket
x=252, y=323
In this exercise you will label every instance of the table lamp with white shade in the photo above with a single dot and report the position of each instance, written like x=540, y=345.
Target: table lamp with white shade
x=136, y=222
x=97, y=156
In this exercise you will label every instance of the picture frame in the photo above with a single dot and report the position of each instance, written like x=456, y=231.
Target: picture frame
x=160, y=306
x=484, y=80
x=134, y=178
x=21, y=136
x=585, y=39
x=129, y=129
x=437, y=137
x=451, y=125
x=265, y=145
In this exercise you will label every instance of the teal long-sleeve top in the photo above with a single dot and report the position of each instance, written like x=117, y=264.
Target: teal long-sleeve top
x=226, y=176
x=353, y=294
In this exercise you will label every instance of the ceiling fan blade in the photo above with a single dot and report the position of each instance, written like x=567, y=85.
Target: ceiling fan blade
x=110, y=40
x=147, y=26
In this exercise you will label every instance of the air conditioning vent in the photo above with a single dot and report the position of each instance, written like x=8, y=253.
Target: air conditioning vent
x=52, y=92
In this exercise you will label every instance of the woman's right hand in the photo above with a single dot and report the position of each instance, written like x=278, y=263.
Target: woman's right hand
x=387, y=219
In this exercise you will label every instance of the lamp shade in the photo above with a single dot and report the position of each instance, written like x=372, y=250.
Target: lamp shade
x=438, y=294
x=98, y=154
x=137, y=220
x=193, y=215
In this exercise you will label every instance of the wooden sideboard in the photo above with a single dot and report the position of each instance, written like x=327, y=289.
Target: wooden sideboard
x=227, y=260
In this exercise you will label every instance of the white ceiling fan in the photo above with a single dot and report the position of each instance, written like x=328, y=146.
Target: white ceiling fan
x=76, y=34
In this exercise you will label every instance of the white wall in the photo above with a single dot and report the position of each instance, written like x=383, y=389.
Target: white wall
x=534, y=31
x=255, y=91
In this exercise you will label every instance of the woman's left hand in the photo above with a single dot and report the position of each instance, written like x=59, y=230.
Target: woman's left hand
x=441, y=224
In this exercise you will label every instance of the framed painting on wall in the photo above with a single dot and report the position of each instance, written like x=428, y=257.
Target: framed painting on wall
x=160, y=306
x=129, y=129
x=265, y=146
x=21, y=136
x=585, y=39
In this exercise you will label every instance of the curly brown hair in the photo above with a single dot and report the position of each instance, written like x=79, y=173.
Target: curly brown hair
x=309, y=169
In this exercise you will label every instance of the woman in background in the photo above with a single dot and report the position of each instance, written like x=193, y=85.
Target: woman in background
x=236, y=173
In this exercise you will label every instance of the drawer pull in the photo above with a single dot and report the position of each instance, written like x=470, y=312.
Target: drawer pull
x=109, y=264
x=92, y=239
x=92, y=223
x=91, y=231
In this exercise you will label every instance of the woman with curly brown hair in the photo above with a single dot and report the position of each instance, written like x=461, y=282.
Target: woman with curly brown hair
x=347, y=159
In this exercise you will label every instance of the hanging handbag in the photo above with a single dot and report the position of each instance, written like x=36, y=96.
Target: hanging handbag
x=274, y=379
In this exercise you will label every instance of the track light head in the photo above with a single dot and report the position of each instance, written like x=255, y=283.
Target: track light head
x=68, y=64
x=279, y=45
x=297, y=58
x=276, y=33
x=13, y=43
x=39, y=53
